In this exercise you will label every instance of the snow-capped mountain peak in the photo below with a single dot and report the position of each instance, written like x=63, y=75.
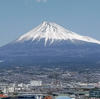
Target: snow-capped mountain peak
x=51, y=31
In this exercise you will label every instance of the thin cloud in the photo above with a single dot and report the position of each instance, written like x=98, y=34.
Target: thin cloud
x=41, y=0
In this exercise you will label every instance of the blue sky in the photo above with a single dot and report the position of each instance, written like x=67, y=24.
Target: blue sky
x=19, y=16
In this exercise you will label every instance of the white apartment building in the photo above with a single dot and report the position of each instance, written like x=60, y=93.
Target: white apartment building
x=35, y=83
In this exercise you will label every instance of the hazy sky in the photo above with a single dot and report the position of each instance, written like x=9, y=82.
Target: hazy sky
x=19, y=16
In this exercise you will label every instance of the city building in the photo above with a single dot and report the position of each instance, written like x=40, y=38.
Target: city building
x=35, y=83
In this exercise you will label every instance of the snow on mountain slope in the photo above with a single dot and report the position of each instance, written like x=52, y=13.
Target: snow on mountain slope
x=51, y=31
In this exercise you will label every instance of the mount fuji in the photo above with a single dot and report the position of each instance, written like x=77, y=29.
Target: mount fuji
x=53, y=32
x=50, y=44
